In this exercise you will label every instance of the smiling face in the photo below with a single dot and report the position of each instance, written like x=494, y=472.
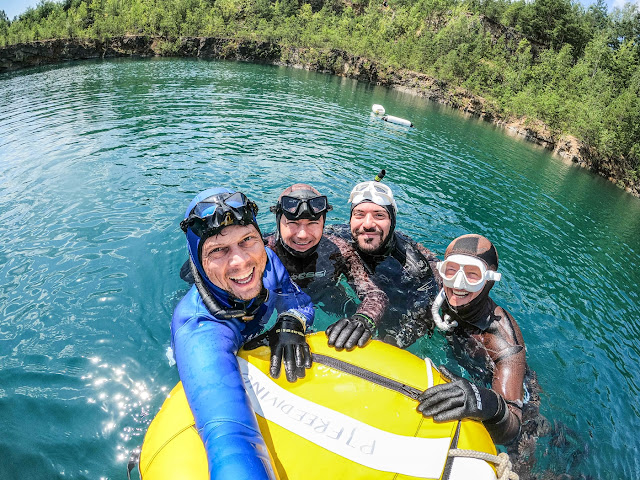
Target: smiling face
x=370, y=225
x=301, y=235
x=457, y=298
x=460, y=275
x=234, y=260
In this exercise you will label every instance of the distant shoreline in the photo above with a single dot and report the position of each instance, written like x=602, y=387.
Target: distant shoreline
x=336, y=62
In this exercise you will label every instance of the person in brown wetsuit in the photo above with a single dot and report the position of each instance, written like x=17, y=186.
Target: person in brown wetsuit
x=477, y=326
x=316, y=262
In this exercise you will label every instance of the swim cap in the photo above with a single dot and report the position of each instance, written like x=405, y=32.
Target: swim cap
x=475, y=246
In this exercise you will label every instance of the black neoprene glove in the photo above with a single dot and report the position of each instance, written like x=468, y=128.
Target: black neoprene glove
x=349, y=332
x=288, y=344
x=460, y=399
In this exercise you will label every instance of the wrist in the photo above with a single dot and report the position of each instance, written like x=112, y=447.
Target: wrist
x=502, y=412
x=295, y=314
x=368, y=321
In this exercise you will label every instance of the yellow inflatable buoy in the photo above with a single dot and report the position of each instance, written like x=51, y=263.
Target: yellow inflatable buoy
x=353, y=416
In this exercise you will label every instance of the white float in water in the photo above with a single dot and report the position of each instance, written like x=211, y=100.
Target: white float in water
x=397, y=120
x=379, y=110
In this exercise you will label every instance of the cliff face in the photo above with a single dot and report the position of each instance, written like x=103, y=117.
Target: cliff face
x=25, y=55
x=335, y=62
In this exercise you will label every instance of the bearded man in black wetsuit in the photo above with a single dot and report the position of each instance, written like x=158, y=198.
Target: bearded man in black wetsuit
x=403, y=269
x=316, y=263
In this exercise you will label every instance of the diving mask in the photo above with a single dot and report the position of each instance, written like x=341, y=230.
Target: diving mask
x=295, y=208
x=464, y=272
x=212, y=214
x=375, y=192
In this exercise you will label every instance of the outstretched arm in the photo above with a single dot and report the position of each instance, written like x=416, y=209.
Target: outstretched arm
x=205, y=355
x=360, y=327
x=374, y=301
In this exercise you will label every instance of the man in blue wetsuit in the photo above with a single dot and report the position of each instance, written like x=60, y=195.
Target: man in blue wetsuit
x=403, y=269
x=238, y=283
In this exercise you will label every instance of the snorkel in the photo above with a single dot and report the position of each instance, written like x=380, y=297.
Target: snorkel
x=446, y=324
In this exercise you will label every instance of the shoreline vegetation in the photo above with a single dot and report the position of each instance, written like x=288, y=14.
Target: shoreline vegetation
x=551, y=71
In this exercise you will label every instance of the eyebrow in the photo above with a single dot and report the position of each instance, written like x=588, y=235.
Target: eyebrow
x=377, y=210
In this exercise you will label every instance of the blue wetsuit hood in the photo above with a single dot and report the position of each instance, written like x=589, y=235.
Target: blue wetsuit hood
x=194, y=245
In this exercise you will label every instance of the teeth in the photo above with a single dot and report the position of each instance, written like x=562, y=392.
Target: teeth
x=243, y=280
x=460, y=293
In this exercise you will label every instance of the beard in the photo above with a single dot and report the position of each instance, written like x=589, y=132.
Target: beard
x=370, y=243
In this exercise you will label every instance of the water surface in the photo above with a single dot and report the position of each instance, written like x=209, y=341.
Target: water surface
x=100, y=159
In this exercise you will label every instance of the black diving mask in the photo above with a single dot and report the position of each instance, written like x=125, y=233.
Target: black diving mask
x=214, y=213
x=295, y=208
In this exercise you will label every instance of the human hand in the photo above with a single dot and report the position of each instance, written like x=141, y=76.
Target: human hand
x=349, y=332
x=458, y=399
x=288, y=345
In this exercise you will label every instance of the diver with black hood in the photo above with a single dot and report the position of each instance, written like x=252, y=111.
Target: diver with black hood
x=405, y=270
x=316, y=262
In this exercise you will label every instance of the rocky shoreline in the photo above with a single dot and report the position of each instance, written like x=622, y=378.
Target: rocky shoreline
x=335, y=62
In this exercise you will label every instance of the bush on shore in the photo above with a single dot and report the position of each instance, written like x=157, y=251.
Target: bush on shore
x=575, y=69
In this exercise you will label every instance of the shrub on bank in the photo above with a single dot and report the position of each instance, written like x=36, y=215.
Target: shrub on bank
x=576, y=70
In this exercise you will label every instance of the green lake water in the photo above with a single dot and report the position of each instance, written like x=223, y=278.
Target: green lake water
x=98, y=161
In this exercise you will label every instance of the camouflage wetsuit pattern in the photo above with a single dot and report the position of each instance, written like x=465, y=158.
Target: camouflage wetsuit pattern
x=318, y=273
x=407, y=274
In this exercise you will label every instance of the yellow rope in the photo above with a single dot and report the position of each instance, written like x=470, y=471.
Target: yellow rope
x=502, y=462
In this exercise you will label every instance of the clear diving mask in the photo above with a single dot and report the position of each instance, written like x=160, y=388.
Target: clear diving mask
x=212, y=214
x=375, y=192
x=464, y=272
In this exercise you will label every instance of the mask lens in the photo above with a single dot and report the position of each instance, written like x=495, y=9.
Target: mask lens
x=203, y=209
x=236, y=200
x=318, y=204
x=290, y=204
x=473, y=274
x=449, y=270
